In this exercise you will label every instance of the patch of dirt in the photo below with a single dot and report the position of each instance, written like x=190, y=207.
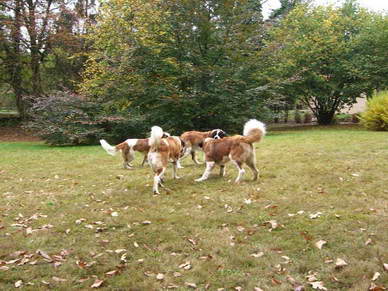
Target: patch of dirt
x=12, y=133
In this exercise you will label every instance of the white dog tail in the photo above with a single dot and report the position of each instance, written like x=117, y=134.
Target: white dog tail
x=254, y=131
x=156, y=137
x=109, y=149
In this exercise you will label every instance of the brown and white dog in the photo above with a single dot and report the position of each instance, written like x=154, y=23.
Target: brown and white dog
x=163, y=150
x=128, y=149
x=238, y=149
x=195, y=139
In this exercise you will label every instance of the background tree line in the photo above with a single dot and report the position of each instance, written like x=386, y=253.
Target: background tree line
x=186, y=64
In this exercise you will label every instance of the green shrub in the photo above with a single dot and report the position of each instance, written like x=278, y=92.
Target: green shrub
x=343, y=117
x=355, y=117
x=64, y=118
x=376, y=115
x=308, y=117
x=298, y=117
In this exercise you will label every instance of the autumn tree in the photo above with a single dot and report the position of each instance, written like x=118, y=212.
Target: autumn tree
x=185, y=63
x=317, y=44
x=30, y=30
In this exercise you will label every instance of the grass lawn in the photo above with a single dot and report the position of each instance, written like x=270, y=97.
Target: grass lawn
x=71, y=217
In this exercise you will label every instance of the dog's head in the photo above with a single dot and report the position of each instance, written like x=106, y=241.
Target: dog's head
x=217, y=133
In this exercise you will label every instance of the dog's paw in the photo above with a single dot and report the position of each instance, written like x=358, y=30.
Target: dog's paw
x=199, y=180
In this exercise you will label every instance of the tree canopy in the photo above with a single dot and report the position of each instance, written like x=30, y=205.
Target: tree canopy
x=194, y=64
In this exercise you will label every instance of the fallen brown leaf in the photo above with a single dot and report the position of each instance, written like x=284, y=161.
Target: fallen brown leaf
x=160, y=277
x=339, y=263
x=56, y=279
x=97, y=283
x=190, y=285
x=318, y=285
x=319, y=244
x=376, y=276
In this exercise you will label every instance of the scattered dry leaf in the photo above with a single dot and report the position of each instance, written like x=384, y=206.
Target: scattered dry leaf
x=273, y=224
x=160, y=277
x=318, y=285
x=376, y=276
x=257, y=255
x=193, y=242
x=18, y=283
x=190, y=285
x=319, y=244
x=57, y=279
x=248, y=201
x=185, y=266
x=97, y=283
x=374, y=287
x=339, y=263
x=44, y=255
x=315, y=215
x=312, y=276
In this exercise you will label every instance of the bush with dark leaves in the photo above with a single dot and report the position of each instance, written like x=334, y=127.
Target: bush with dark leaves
x=65, y=118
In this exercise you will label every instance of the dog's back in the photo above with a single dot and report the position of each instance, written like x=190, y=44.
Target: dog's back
x=194, y=138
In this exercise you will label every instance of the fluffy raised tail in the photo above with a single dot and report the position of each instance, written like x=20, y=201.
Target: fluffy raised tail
x=109, y=149
x=156, y=137
x=254, y=131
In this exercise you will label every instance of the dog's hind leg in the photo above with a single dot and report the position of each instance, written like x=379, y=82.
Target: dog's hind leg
x=205, y=176
x=241, y=171
x=251, y=164
x=127, y=157
x=158, y=178
x=185, y=154
x=194, y=158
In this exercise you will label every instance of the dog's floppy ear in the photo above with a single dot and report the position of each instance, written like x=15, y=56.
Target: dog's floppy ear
x=182, y=143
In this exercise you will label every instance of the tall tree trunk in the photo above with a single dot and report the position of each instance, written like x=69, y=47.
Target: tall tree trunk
x=325, y=117
x=35, y=68
x=16, y=76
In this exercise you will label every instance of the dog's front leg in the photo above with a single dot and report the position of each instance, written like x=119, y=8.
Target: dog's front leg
x=144, y=160
x=205, y=176
x=174, y=169
x=222, y=170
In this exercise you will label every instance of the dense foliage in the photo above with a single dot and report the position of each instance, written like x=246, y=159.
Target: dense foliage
x=193, y=64
x=187, y=63
x=68, y=119
x=327, y=48
x=376, y=115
